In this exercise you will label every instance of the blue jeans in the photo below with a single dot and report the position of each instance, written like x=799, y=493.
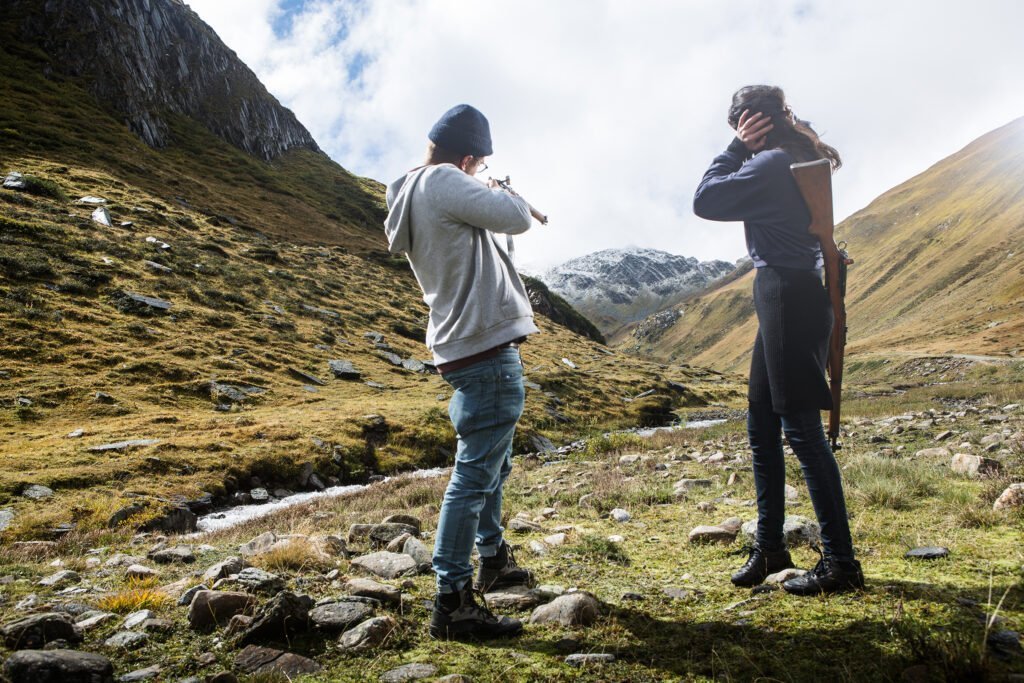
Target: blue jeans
x=821, y=472
x=484, y=409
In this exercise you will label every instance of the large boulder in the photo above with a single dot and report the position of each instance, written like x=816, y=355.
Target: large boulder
x=37, y=630
x=264, y=660
x=973, y=465
x=209, y=609
x=58, y=666
x=386, y=565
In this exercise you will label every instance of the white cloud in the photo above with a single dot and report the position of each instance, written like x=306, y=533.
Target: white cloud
x=606, y=114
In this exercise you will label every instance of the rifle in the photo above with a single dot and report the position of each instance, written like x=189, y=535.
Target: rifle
x=815, y=182
x=506, y=185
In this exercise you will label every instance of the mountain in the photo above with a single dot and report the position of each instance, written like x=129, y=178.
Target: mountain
x=195, y=311
x=939, y=270
x=618, y=286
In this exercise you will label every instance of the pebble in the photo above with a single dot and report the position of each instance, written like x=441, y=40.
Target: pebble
x=927, y=553
x=589, y=659
x=621, y=516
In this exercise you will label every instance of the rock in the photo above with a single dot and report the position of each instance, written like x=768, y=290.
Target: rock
x=6, y=517
x=121, y=446
x=580, y=659
x=258, y=545
x=784, y=575
x=344, y=369
x=407, y=520
x=367, y=635
x=537, y=548
x=157, y=625
x=791, y=492
x=733, y=524
x=798, y=530
x=629, y=459
x=306, y=377
x=264, y=660
x=259, y=581
x=341, y=615
x=379, y=535
x=409, y=672
x=927, y=553
x=1012, y=497
x=940, y=452
x=555, y=539
x=284, y=615
x=186, y=598
x=620, y=515
x=182, y=554
x=512, y=598
x=215, y=608
x=684, y=486
x=238, y=624
x=711, y=534
x=138, y=571
x=973, y=465
x=175, y=520
x=522, y=525
x=147, y=674
x=231, y=565
x=58, y=666
x=15, y=181
x=37, y=492
x=37, y=630
x=368, y=588
x=573, y=609
x=127, y=640
x=124, y=514
x=135, y=619
x=419, y=552
x=94, y=621
x=102, y=216
x=537, y=442
x=413, y=365
x=680, y=593
x=386, y=565
x=63, y=577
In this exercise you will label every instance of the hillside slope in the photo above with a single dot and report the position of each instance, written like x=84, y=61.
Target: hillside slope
x=939, y=269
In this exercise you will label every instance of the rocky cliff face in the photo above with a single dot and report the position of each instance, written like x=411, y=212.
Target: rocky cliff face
x=149, y=60
x=618, y=286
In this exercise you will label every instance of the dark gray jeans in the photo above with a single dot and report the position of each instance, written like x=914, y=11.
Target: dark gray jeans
x=806, y=436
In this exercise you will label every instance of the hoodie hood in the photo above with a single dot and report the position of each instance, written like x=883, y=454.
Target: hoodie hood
x=397, y=225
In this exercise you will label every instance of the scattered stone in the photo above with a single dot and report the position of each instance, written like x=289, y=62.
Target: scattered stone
x=127, y=640
x=149, y=673
x=706, y=506
x=341, y=615
x=139, y=571
x=419, y=552
x=684, y=486
x=973, y=465
x=940, y=452
x=784, y=575
x=102, y=216
x=123, y=445
x=409, y=672
x=94, y=621
x=407, y=520
x=580, y=659
x=124, y=514
x=63, y=577
x=78, y=433
x=521, y=525
x=791, y=492
x=513, y=598
x=215, y=608
x=284, y=615
x=798, y=530
x=264, y=660
x=1012, y=497
x=681, y=593
x=368, y=588
x=91, y=200
x=620, y=515
x=231, y=565
x=37, y=492
x=344, y=369
x=135, y=619
x=259, y=496
x=927, y=553
x=15, y=181
x=37, y=630
x=386, y=565
x=160, y=244
x=258, y=545
x=258, y=581
x=537, y=548
x=573, y=609
x=711, y=534
x=368, y=634
x=181, y=554
x=157, y=625
x=306, y=377
x=569, y=363
x=58, y=666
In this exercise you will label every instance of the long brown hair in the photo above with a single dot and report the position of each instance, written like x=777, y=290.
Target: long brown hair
x=789, y=133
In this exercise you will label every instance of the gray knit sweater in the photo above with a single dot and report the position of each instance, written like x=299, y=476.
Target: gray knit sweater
x=447, y=223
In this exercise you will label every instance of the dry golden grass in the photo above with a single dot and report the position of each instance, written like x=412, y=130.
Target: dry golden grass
x=297, y=555
x=133, y=600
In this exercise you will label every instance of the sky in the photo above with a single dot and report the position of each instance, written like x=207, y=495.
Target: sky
x=606, y=113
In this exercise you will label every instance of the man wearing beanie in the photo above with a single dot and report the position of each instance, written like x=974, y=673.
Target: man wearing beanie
x=452, y=228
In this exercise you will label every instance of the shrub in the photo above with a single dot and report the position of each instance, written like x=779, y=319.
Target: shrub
x=133, y=600
x=43, y=188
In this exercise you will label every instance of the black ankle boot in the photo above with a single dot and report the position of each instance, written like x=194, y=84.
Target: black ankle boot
x=759, y=565
x=828, y=576
x=457, y=615
x=501, y=571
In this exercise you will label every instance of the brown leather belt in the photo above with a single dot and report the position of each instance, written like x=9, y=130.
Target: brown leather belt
x=477, y=357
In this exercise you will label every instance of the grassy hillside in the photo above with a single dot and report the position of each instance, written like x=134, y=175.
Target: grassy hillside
x=939, y=269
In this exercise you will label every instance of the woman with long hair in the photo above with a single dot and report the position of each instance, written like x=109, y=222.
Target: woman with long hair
x=751, y=182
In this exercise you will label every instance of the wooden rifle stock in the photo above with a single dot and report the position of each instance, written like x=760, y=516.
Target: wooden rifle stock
x=506, y=185
x=815, y=182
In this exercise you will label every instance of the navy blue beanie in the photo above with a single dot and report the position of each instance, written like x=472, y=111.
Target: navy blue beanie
x=463, y=130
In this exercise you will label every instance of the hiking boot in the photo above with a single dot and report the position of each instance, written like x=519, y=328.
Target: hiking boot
x=828, y=576
x=458, y=616
x=501, y=571
x=759, y=565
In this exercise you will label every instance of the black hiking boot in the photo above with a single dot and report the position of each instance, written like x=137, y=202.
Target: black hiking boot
x=828, y=576
x=501, y=571
x=759, y=565
x=458, y=616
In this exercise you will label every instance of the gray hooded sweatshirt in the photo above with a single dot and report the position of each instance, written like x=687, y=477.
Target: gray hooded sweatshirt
x=447, y=223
